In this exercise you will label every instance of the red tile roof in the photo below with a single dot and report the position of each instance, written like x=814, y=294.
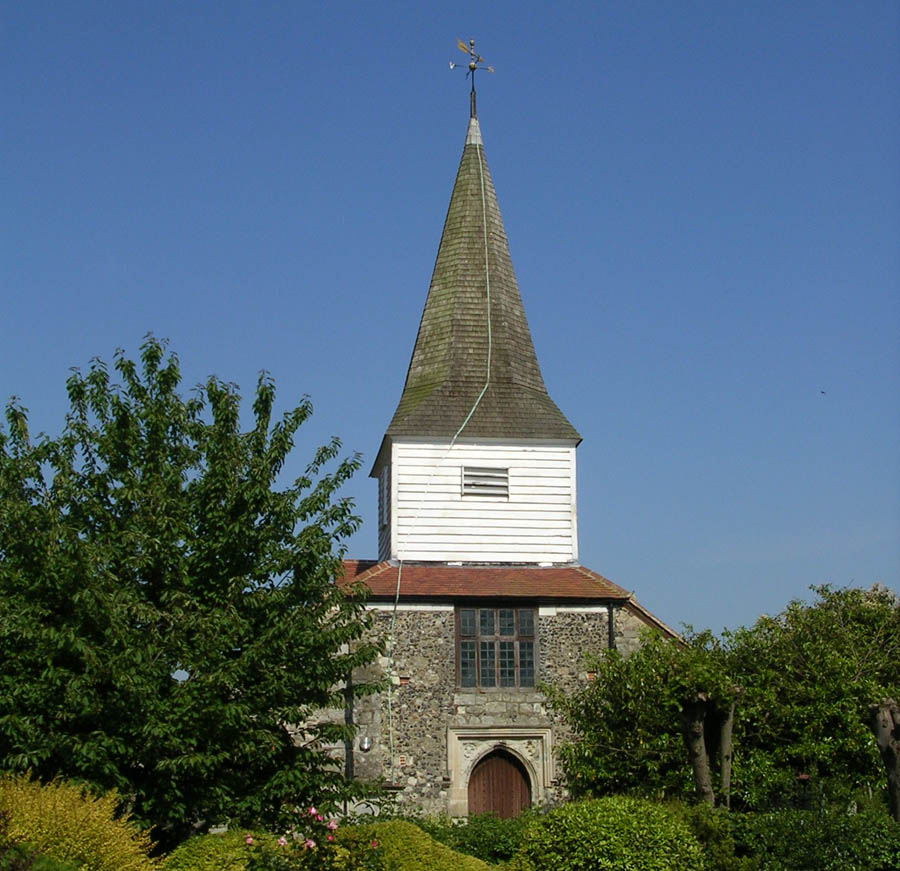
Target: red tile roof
x=560, y=584
x=439, y=580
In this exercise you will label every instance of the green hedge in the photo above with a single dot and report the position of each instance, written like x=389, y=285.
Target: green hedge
x=610, y=834
x=401, y=846
x=231, y=852
x=407, y=848
x=713, y=828
x=227, y=852
x=799, y=840
x=484, y=836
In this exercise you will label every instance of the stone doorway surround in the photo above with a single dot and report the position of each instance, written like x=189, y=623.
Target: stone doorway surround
x=466, y=745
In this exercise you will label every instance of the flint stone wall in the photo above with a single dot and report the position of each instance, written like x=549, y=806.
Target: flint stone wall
x=409, y=733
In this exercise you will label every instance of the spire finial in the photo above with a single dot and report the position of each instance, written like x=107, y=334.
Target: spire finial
x=476, y=62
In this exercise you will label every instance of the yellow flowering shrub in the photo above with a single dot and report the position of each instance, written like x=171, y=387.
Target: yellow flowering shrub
x=66, y=821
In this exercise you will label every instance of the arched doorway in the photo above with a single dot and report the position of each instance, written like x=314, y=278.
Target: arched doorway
x=499, y=785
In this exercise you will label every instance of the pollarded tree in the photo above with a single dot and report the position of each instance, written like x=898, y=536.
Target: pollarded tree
x=811, y=674
x=810, y=686
x=169, y=622
x=884, y=721
x=651, y=720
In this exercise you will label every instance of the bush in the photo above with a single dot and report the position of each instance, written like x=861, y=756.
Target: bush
x=484, y=836
x=226, y=852
x=799, y=840
x=20, y=856
x=265, y=852
x=712, y=828
x=65, y=821
x=407, y=848
x=611, y=833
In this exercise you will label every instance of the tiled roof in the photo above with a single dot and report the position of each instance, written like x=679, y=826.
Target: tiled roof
x=440, y=580
x=449, y=361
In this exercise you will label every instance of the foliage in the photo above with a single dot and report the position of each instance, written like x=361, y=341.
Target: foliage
x=626, y=721
x=166, y=608
x=218, y=852
x=21, y=857
x=799, y=840
x=809, y=676
x=806, y=679
x=611, y=833
x=407, y=848
x=713, y=829
x=64, y=821
x=312, y=846
x=484, y=836
x=317, y=844
x=18, y=855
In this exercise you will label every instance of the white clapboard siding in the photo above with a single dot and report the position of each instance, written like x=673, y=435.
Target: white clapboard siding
x=431, y=519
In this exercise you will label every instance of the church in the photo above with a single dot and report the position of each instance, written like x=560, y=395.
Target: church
x=477, y=588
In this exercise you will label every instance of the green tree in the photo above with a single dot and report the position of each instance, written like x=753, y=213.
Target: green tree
x=650, y=721
x=169, y=622
x=811, y=674
x=801, y=693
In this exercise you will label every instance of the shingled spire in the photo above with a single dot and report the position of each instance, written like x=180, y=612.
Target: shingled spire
x=473, y=330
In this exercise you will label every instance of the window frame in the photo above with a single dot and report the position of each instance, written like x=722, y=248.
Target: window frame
x=495, y=639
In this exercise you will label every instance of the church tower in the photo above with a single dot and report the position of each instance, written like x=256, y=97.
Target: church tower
x=478, y=463
x=477, y=590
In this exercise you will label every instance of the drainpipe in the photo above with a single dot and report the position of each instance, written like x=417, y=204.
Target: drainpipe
x=348, y=721
x=611, y=626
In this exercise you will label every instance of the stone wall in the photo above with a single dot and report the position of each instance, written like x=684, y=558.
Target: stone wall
x=429, y=737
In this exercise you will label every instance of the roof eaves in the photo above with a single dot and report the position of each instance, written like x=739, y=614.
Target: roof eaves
x=643, y=614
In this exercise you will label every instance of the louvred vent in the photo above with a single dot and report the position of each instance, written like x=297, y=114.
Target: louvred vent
x=484, y=481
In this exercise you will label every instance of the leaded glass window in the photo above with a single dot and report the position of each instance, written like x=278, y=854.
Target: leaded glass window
x=496, y=647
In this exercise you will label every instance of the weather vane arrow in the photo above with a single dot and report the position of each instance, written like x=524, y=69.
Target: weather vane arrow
x=476, y=62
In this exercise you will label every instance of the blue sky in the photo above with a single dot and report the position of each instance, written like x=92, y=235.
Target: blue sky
x=703, y=206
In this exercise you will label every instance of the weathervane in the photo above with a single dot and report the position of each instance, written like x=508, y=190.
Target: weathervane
x=476, y=62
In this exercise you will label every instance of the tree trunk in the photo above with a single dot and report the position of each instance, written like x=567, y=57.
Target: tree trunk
x=693, y=715
x=725, y=755
x=884, y=721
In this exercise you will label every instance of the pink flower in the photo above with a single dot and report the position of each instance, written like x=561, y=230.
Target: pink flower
x=332, y=824
x=248, y=839
x=374, y=844
x=309, y=842
x=282, y=841
x=312, y=812
x=319, y=817
x=329, y=837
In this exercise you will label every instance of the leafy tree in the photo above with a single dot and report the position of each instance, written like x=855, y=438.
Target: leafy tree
x=810, y=675
x=804, y=682
x=169, y=622
x=622, y=726
x=649, y=719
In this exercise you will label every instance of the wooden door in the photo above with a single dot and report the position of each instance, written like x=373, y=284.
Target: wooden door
x=499, y=785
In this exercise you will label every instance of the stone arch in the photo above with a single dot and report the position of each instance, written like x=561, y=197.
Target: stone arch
x=491, y=747
x=500, y=782
x=467, y=745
